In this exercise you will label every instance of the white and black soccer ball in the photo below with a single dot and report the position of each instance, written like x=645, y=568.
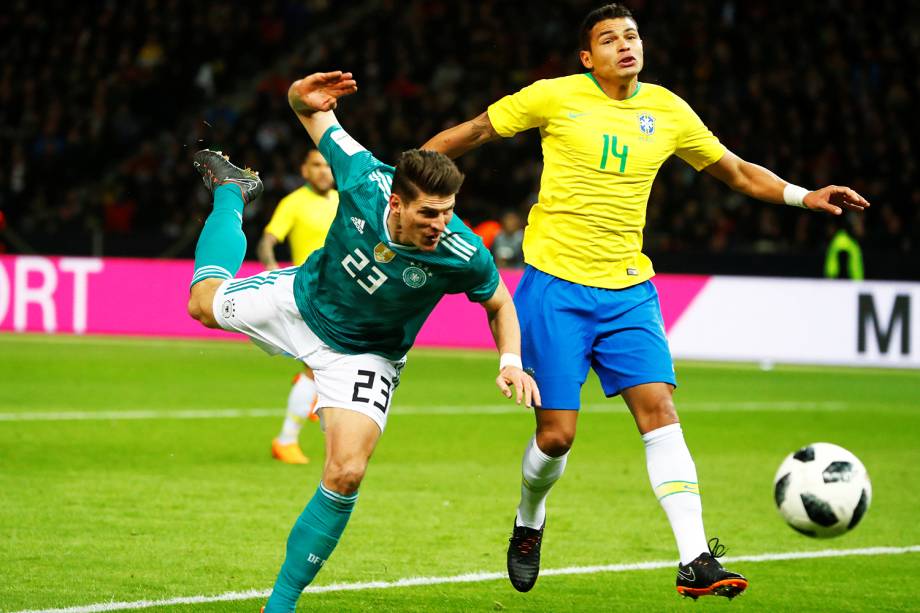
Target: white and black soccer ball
x=822, y=490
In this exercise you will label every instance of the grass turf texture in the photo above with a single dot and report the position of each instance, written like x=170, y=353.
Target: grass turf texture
x=126, y=510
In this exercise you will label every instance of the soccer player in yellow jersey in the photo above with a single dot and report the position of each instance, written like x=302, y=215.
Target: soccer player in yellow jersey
x=302, y=218
x=585, y=300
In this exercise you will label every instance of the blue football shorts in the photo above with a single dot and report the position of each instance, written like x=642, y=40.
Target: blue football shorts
x=567, y=328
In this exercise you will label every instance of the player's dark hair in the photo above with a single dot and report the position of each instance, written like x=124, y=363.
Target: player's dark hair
x=608, y=11
x=426, y=171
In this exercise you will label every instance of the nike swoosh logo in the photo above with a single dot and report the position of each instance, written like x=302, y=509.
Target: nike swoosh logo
x=691, y=576
x=574, y=115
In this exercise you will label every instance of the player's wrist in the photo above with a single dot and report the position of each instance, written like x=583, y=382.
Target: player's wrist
x=510, y=359
x=302, y=109
x=793, y=195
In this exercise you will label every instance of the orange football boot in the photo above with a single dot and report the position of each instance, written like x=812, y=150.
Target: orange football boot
x=289, y=454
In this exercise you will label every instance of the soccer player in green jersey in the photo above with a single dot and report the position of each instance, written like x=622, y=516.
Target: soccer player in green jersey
x=586, y=299
x=354, y=308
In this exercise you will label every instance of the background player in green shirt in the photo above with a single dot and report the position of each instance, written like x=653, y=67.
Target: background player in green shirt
x=354, y=308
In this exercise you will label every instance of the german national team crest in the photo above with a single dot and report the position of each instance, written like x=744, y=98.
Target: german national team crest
x=415, y=277
x=647, y=124
x=228, y=309
x=383, y=254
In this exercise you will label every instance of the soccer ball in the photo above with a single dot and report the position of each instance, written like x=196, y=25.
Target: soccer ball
x=822, y=490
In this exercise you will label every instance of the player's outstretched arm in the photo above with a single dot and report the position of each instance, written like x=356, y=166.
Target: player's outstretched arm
x=266, y=251
x=506, y=331
x=758, y=182
x=454, y=142
x=314, y=97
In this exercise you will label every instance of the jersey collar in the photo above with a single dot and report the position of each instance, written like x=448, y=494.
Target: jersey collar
x=591, y=76
x=313, y=191
x=386, y=233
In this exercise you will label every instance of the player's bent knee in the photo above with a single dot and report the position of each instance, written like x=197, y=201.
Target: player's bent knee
x=555, y=443
x=202, y=314
x=201, y=300
x=663, y=409
x=344, y=477
x=655, y=414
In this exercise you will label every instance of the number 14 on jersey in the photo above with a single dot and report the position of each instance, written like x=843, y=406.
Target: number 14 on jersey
x=611, y=150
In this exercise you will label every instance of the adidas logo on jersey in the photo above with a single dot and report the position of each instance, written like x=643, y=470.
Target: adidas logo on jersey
x=359, y=224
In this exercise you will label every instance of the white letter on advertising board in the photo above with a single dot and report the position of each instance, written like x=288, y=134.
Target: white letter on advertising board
x=4, y=293
x=81, y=269
x=43, y=295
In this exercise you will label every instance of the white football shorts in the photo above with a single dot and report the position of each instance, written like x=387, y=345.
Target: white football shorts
x=262, y=307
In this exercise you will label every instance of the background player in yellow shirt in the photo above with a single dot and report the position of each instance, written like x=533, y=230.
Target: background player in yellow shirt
x=302, y=218
x=585, y=300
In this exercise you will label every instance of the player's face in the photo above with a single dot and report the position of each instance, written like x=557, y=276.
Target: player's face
x=317, y=172
x=422, y=221
x=616, y=49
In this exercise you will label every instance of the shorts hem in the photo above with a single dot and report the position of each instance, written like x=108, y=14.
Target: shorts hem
x=641, y=381
x=559, y=408
x=381, y=423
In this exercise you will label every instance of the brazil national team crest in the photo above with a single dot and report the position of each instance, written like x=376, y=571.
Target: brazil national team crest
x=647, y=124
x=383, y=254
x=415, y=277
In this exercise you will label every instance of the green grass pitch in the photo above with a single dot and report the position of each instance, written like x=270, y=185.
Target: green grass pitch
x=158, y=507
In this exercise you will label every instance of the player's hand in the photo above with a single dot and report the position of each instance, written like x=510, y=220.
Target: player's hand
x=524, y=386
x=835, y=199
x=320, y=91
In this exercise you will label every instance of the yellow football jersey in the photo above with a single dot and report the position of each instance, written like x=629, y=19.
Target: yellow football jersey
x=303, y=218
x=600, y=157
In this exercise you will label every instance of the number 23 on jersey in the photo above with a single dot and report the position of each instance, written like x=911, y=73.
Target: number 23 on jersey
x=371, y=280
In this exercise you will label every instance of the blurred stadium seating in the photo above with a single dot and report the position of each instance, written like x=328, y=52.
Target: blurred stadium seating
x=101, y=104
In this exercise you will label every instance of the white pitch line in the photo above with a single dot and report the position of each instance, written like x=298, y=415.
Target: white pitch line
x=139, y=414
x=488, y=409
x=473, y=578
x=223, y=343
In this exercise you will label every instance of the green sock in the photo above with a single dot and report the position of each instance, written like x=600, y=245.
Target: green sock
x=313, y=537
x=222, y=244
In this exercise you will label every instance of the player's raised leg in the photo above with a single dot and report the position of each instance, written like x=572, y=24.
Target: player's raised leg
x=672, y=474
x=300, y=409
x=222, y=244
x=350, y=441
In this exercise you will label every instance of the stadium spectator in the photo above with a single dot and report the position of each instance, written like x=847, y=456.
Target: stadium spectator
x=507, y=248
x=719, y=56
x=487, y=230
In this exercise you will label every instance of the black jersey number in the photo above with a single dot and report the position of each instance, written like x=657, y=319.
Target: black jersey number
x=369, y=377
x=370, y=282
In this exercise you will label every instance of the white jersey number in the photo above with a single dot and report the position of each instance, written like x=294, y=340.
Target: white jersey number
x=373, y=279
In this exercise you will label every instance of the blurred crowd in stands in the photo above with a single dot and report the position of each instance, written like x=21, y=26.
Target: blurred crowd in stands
x=102, y=103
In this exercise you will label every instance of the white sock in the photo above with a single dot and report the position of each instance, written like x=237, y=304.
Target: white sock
x=539, y=473
x=673, y=477
x=300, y=403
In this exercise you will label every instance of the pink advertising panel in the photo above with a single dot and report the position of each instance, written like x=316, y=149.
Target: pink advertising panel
x=148, y=298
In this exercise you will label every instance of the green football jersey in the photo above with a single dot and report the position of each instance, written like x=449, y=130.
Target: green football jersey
x=363, y=293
